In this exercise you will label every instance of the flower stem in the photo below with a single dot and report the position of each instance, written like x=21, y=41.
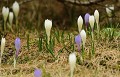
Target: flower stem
x=4, y=27
x=83, y=53
x=14, y=61
x=98, y=29
x=93, y=52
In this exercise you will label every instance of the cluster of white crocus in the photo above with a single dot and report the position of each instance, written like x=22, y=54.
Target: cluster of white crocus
x=80, y=23
x=72, y=62
x=48, y=26
x=5, y=13
x=82, y=32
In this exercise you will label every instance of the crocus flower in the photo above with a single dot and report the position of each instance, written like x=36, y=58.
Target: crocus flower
x=17, y=45
x=78, y=41
x=16, y=8
x=96, y=15
x=48, y=26
x=11, y=18
x=80, y=23
x=86, y=18
x=72, y=62
x=2, y=45
x=109, y=10
x=5, y=12
x=92, y=21
x=37, y=73
x=83, y=36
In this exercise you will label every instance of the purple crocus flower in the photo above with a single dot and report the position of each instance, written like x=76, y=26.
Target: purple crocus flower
x=78, y=41
x=86, y=18
x=17, y=45
x=37, y=73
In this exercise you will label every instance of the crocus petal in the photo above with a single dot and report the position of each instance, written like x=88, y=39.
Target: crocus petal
x=2, y=45
x=37, y=73
x=83, y=36
x=72, y=62
x=78, y=41
x=16, y=8
x=48, y=26
x=92, y=21
x=17, y=45
x=11, y=18
x=96, y=15
x=80, y=23
x=86, y=18
x=5, y=12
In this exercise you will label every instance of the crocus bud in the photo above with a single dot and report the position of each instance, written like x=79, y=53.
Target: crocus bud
x=83, y=36
x=2, y=45
x=16, y=8
x=109, y=10
x=86, y=18
x=80, y=23
x=48, y=26
x=92, y=21
x=37, y=73
x=72, y=62
x=17, y=45
x=10, y=18
x=5, y=12
x=96, y=15
x=78, y=41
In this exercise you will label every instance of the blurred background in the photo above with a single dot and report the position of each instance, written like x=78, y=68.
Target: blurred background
x=63, y=13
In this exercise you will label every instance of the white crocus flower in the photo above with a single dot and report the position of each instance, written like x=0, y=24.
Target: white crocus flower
x=16, y=8
x=109, y=10
x=48, y=26
x=96, y=15
x=5, y=12
x=11, y=18
x=2, y=45
x=72, y=62
x=83, y=36
x=80, y=23
x=92, y=21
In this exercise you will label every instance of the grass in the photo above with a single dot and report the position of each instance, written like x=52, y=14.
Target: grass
x=105, y=62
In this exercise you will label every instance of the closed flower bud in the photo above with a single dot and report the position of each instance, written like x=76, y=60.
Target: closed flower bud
x=37, y=73
x=72, y=62
x=78, y=41
x=5, y=12
x=80, y=23
x=92, y=21
x=11, y=18
x=2, y=45
x=83, y=36
x=96, y=15
x=109, y=10
x=17, y=45
x=48, y=26
x=16, y=8
x=86, y=18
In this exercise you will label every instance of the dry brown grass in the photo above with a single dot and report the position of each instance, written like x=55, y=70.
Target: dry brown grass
x=105, y=63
